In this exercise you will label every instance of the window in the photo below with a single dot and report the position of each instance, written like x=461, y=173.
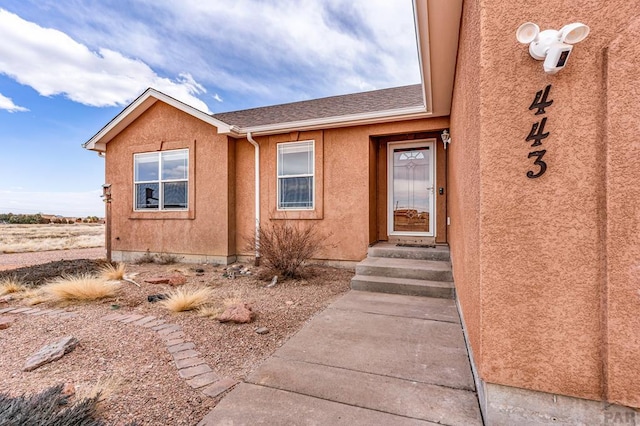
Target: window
x=161, y=180
x=295, y=175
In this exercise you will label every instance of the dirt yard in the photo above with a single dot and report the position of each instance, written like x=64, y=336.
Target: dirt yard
x=130, y=363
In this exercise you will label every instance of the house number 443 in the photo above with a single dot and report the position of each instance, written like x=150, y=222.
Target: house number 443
x=537, y=133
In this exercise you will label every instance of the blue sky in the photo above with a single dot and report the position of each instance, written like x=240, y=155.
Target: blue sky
x=68, y=67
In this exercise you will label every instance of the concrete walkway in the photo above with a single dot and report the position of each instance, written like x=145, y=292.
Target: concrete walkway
x=368, y=359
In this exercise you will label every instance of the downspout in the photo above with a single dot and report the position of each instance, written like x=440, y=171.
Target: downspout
x=257, y=189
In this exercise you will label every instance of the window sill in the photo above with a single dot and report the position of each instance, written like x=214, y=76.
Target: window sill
x=161, y=215
x=296, y=214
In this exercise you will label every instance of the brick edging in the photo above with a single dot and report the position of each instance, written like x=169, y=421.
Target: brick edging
x=191, y=367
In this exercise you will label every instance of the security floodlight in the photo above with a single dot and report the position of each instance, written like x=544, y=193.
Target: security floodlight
x=551, y=46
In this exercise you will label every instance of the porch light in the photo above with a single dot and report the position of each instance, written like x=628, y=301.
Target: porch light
x=551, y=46
x=446, y=138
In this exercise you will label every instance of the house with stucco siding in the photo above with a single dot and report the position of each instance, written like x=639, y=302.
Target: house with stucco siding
x=546, y=260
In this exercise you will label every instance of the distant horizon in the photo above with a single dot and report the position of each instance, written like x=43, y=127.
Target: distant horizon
x=42, y=213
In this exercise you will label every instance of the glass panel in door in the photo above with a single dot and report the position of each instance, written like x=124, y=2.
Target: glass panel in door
x=412, y=189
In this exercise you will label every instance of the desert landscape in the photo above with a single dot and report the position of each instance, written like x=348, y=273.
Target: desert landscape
x=21, y=238
x=151, y=347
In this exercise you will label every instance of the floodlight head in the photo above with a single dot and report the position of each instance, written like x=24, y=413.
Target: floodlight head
x=527, y=32
x=551, y=46
x=574, y=33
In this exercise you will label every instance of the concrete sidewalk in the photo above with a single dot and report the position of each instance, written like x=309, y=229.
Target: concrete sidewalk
x=368, y=359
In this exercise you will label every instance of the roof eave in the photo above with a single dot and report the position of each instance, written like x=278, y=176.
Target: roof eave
x=409, y=113
x=136, y=108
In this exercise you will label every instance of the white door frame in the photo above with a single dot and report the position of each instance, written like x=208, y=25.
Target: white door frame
x=431, y=143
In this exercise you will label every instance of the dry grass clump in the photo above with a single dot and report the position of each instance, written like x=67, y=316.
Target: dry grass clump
x=11, y=285
x=114, y=273
x=187, y=299
x=34, y=296
x=84, y=287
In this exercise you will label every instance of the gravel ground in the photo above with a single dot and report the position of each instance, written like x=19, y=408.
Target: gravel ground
x=131, y=363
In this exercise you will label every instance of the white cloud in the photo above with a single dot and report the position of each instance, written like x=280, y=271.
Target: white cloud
x=7, y=104
x=79, y=204
x=53, y=63
x=255, y=51
x=217, y=98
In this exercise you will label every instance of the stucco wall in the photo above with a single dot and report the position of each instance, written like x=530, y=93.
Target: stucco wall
x=542, y=280
x=464, y=177
x=345, y=210
x=204, y=229
x=623, y=217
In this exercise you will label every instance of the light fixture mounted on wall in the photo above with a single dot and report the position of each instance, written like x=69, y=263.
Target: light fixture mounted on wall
x=551, y=46
x=446, y=138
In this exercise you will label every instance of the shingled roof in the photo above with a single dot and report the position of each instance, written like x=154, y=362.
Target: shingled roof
x=334, y=106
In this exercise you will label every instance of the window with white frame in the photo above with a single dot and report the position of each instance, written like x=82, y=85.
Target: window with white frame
x=295, y=175
x=161, y=180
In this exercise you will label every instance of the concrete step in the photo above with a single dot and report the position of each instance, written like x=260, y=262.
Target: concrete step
x=407, y=286
x=430, y=270
x=394, y=251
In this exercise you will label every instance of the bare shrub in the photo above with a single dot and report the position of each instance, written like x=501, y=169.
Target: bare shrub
x=167, y=259
x=82, y=287
x=160, y=259
x=147, y=257
x=185, y=299
x=286, y=246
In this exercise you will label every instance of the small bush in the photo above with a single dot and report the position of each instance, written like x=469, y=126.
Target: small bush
x=83, y=287
x=285, y=247
x=166, y=259
x=147, y=257
x=111, y=272
x=184, y=299
x=49, y=407
x=160, y=259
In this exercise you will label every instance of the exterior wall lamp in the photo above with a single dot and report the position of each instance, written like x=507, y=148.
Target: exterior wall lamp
x=554, y=47
x=446, y=138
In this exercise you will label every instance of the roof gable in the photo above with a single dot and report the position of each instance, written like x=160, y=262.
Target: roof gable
x=137, y=108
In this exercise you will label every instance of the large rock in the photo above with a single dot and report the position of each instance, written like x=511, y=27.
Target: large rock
x=5, y=322
x=51, y=352
x=240, y=313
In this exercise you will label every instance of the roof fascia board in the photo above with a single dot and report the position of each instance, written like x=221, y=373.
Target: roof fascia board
x=136, y=108
x=424, y=58
x=409, y=113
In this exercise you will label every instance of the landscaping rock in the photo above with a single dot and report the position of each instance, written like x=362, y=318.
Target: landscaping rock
x=153, y=298
x=68, y=389
x=274, y=281
x=177, y=280
x=262, y=330
x=5, y=322
x=7, y=298
x=51, y=352
x=157, y=280
x=240, y=313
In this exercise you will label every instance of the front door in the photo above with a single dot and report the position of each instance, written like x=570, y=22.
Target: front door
x=411, y=183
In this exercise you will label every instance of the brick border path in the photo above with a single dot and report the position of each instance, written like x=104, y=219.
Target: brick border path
x=190, y=365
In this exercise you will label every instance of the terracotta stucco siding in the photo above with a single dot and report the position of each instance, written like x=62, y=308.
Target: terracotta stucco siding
x=464, y=178
x=541, y=241
x=623, y=214
x=205, y=231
